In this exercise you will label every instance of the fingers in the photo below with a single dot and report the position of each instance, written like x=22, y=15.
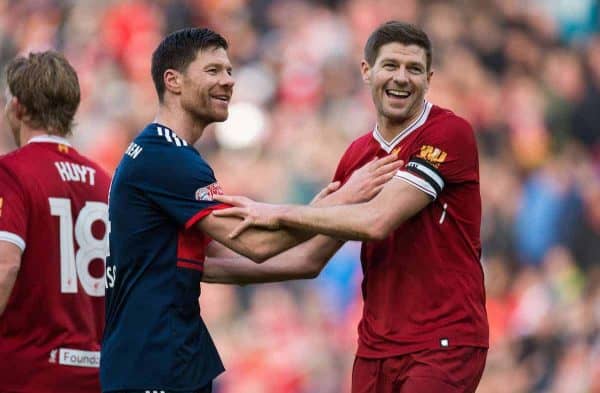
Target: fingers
x=231, y=212
x=389, y=167
x=382, y=179
x=390, y=158
x=240, y=228
x=330, y=188
x=233, y=200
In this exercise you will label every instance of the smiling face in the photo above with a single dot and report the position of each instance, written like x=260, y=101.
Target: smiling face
x=398, y=79
x=207, y=86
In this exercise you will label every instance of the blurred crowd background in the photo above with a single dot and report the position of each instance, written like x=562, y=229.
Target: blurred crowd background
x=525, y=73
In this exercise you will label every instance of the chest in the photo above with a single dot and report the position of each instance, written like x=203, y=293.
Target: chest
x=404, y=149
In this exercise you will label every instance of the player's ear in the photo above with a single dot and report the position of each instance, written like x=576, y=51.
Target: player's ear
x=365, y=70
x=173, y=81
x=429, y=75
x=18, y=109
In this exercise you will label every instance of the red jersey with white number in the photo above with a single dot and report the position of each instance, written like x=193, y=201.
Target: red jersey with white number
x=423, y=285
x=53, y=206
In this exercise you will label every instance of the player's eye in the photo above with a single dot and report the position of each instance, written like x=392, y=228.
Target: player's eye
x=212, y=71
x=389, y=66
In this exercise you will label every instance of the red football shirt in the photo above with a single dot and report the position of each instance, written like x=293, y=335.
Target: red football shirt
x=53, y=205
x=423, y=285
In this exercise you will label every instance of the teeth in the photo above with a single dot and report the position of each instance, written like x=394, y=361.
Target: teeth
x=398, y=93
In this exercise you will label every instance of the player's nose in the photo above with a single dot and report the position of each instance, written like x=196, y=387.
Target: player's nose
x=227, y=80
x=401, y=75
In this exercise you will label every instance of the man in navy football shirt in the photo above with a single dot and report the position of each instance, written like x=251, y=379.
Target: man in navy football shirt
x=424, y=325
x=160, y=202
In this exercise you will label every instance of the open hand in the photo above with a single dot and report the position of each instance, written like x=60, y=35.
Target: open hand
x=368, y=180
x=252, y=213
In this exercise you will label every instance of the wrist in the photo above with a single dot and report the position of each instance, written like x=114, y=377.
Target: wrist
x=284, y=215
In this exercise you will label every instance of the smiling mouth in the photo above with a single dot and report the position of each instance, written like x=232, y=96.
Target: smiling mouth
x=222, y=97
x=395, y=93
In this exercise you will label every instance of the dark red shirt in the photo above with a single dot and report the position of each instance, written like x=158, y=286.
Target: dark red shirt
x=54, y=208
x=423, y=285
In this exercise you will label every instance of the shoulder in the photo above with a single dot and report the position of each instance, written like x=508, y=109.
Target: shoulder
x=450, y=122
x=19, y=160
x=360, y=143
x=446, y=127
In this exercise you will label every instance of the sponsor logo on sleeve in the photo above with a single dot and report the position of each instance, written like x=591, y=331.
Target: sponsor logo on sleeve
x=1, y=203
x=207, y=193
x=432, y=155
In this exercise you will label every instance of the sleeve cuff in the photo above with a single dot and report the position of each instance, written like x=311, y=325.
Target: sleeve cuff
x=417, y=182
x=13, y=238
x=203, y=213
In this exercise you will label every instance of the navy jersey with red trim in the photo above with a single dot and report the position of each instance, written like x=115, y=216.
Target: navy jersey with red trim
x=423, y=285
x=154, y=337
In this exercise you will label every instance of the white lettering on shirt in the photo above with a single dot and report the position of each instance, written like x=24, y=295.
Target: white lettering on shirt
x=70, y=171
x=133, y=150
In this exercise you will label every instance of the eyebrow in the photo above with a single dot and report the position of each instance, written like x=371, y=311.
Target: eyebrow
x=410, y=62
x=218, y=65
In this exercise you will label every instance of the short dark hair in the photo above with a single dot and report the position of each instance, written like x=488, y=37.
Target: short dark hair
x=47, y=86
x=395, y=31
x=179, y=49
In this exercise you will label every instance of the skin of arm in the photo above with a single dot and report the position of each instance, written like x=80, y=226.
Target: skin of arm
x=260, y=244
x=372, y=220
x=257, y=244
x=308, y=259
x=301, y=262
x=10, y=262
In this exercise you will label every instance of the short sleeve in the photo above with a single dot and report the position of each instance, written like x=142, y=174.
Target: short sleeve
x=445, y=154
x=183, y=187
x=13, y=211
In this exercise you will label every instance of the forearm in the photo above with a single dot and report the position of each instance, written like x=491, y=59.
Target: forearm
x=301, y=262
x=261, y=245
x=347, y=222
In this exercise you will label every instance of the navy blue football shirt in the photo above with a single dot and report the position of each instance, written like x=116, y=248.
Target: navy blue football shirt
x=154, y=338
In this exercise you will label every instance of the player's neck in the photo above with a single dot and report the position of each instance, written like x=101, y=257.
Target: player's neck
x=389, y=128
x=27, y=133
x=185, y=126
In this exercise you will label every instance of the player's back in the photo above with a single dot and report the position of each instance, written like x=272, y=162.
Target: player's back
x=54, y=207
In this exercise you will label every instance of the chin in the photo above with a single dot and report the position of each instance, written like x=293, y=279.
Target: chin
x=219, y=117
x=396, y=115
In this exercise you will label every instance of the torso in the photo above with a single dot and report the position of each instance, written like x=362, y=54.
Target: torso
x=56, y=204
x=423, y=284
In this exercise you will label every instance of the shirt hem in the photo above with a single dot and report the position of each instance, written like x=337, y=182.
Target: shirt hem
x=406, y=349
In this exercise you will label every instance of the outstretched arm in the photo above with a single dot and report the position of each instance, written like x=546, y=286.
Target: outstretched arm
x=370, y=220
x=305, y=260
x=261, y=244
x=301, y=262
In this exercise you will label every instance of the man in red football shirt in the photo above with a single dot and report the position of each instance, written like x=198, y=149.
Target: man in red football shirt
x=424, y=325
x=53, y=224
